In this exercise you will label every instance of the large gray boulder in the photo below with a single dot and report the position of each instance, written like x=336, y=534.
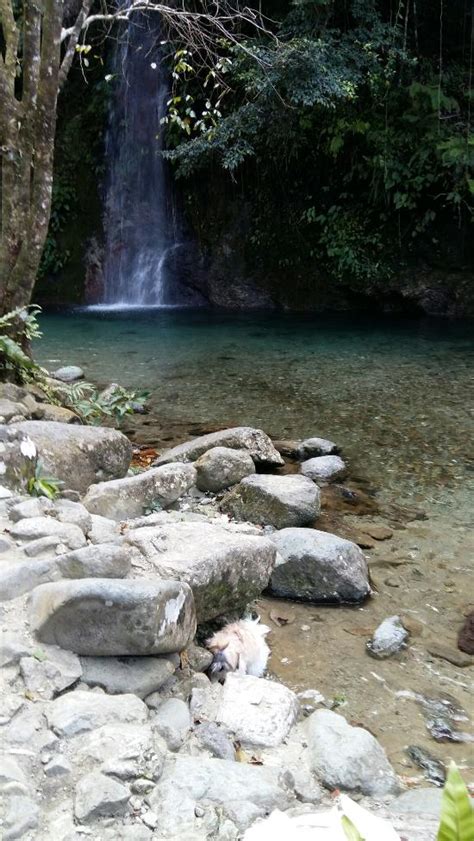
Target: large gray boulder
x=79, y=455
x=188, y=780
x=105, y=561
x=18, y=459
x=324, y=469
x=278, y=501
x=256, y=711
x=222, y=467
x=124, y=499
x=316, y=566
x=224, y=569
x=80, y=711
x=255, y=441
x=348, y=758
x=108, y=617
x=62, y=510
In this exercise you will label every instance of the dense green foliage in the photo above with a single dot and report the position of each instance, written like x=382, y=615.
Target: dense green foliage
x=78, y=171
x=346, y=134
x=17, y=329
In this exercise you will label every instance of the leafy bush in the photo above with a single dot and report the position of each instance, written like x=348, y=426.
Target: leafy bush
x=94, y=406
x=17, y=329
x=42, y=485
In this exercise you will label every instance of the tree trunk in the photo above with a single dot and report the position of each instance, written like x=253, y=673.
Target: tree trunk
x=27, y=129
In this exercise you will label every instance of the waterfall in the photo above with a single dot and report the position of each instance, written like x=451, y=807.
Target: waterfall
x=141, y=234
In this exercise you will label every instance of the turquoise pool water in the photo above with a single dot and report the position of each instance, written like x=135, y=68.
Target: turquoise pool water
x=396, y=395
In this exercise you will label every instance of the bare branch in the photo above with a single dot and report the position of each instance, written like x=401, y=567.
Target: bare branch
x=197, y=29
x=73, y=36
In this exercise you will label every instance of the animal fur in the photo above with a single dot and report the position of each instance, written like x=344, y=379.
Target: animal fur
x=239, y=647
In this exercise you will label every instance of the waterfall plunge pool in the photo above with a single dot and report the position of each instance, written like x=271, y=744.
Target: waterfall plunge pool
x=397, y=397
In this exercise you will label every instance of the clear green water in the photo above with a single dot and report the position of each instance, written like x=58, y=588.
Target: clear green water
x=396, y=395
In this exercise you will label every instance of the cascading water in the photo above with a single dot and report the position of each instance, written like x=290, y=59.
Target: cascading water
x=141, y=239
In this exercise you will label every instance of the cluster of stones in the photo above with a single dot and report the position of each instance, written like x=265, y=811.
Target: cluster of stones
x=104, y=721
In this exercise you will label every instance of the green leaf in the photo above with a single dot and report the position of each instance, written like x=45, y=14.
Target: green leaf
x=457, y=815
x=350, y=831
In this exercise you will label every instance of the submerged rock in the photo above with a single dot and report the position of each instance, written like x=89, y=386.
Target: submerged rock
x=317, y=566
x=224, y=569
x=435, y=769
x=466, y=635
x=389, y=638
x=123, y=499
x=222, y=467
x=68, y=374
x=105, y=617
x=311, y=447
x=278, y=501
x=255, y=441
x=79, y=455
x=348, y=757
x=324, y=468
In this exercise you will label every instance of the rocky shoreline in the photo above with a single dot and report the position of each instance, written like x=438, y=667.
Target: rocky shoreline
x=110, y=725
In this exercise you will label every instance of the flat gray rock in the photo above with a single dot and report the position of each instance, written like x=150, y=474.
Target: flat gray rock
x=256, y=711
x=110, y=617
x=255, y=441
x=324, y=469
x=224, y=569
x=118, y=675
x=346, y=757
x=79, y=455
x=98, y=796
x=316, y=566
x=126, y=498
x=221, y=467
x=279, y=501
x=37, y=527
x=311, y=447
x=106, y=561
x=55, y=671
x=80, y=711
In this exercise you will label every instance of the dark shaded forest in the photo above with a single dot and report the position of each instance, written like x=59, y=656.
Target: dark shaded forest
x=323, y=162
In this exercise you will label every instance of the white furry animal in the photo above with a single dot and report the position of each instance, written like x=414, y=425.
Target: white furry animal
x=239, y=647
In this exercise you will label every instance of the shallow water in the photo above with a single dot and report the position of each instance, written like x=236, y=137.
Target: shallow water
x=397, y=397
